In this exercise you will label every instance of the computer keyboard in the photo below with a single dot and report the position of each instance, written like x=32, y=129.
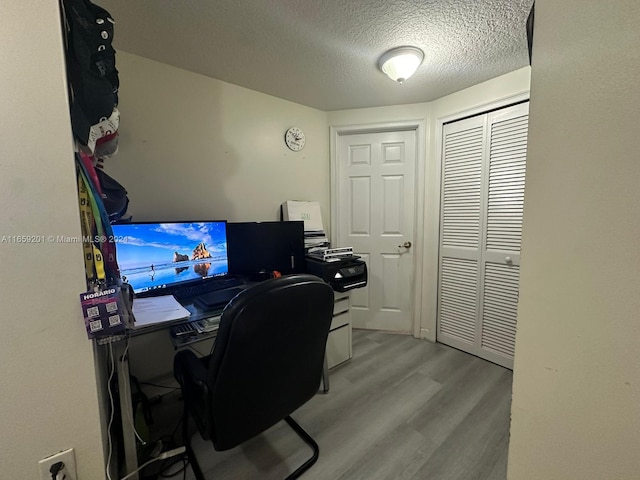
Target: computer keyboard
x=212, y=285
x=217, y=298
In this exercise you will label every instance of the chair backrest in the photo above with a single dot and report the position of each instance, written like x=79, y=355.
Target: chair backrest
x=268, y=356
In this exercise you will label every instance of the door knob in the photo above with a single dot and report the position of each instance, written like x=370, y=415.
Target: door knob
x=405, y=245
x=508, y=260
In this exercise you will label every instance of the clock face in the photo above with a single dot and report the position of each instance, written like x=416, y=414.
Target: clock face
x=294, y=138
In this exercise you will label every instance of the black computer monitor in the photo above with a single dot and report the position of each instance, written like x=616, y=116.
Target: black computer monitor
x=158, y=257
x=258, y=248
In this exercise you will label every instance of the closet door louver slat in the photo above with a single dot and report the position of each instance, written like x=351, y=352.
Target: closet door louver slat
x=459, y=299
x=500, y=305
x=506, y=185
x=462, y=176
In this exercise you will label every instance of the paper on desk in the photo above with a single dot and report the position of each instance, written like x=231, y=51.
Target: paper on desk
x=153, y=310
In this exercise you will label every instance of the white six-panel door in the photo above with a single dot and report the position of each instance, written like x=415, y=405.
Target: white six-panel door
x=483, y=162
x=376, y=183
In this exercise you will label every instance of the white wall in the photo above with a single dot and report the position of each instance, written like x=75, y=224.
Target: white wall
x=576, y=391
x=472, y=100
x=48, y=394
x=192, y=147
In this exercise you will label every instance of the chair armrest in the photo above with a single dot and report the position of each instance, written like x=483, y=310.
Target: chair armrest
x=191, y=373
x=189, y=369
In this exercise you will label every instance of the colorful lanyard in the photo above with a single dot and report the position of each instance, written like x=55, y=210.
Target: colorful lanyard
x=102, y=224
x=93, y=261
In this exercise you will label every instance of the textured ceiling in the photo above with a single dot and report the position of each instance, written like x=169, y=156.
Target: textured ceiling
x=324, y=53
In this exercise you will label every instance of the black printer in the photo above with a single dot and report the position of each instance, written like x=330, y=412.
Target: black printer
x=342, y=274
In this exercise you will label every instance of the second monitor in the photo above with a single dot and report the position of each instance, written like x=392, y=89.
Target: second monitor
x=256, y=249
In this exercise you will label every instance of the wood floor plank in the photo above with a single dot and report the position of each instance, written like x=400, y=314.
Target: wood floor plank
x=398, y=455
x=473, y=447
x=401, y=409
x=443, y=413
x=378, y=415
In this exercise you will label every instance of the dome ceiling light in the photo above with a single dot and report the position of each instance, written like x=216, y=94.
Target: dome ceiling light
x=400, y=63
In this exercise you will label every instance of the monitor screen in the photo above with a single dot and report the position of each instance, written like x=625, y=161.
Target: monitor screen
x=157, y=257
x=256, y=247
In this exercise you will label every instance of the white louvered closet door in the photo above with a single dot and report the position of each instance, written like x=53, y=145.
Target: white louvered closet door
x=481, y=227
x=460, y=228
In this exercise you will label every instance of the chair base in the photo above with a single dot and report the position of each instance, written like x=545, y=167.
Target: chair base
x=309, y=441
x=197, y=471
x=191, y=456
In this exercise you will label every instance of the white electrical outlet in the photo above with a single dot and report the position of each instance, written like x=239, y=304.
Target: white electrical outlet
x=67, y=457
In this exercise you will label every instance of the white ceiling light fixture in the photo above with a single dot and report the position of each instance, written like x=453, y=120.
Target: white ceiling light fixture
x=400, y=63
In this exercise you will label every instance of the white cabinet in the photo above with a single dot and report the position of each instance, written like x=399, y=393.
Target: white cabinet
x=339, y=341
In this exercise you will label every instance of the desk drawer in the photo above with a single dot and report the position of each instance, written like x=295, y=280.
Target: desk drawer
x=340, y=320
x=340, y=306
x=339, y=346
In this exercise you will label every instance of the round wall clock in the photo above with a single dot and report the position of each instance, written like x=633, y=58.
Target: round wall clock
x=294, y=138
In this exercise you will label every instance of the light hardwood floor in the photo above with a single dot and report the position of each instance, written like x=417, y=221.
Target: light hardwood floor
x=401, y=409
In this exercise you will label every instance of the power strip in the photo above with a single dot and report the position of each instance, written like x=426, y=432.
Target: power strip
x=162, y=456
x=184, y=329
x=195, y=327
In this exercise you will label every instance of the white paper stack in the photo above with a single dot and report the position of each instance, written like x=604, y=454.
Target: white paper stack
x=315, y=237
x=154, y=310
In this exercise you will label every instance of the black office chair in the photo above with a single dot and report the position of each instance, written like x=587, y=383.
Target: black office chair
x=267, y=362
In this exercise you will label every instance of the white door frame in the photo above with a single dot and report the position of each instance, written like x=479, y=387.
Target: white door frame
x=430, y=298
x=419, y=126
